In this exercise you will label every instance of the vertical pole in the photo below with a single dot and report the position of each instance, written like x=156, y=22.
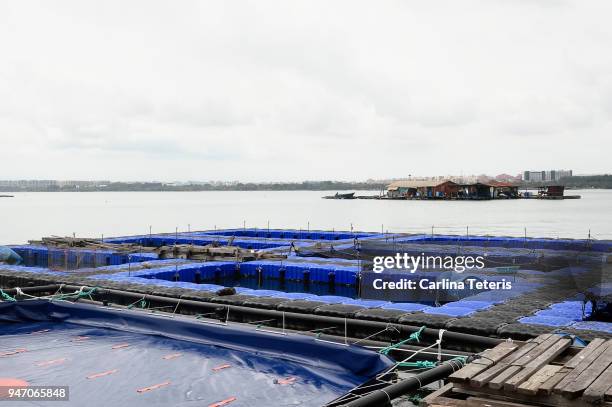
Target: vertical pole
x=150, y=229
x=467, y=231
x=283, y=322
x=244, y=224
x=432, y=230
x=308, y=226
x=268, y=226
x=189, y=227
x=345, y=333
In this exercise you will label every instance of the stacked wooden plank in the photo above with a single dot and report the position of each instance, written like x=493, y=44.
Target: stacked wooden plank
x=191, y=252
x=90, y=244
x=544, y=371
x=214, y=253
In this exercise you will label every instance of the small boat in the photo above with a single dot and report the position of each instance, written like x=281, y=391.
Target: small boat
x=350, y=195
x=7, y=196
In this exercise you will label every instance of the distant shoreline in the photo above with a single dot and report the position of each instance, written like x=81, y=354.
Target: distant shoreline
x=575, y=182
x=237, y=190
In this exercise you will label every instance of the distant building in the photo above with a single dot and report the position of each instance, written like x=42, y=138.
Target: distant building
x=44, y=184
x=546, y=176
x=447, y=189
x=422, y=188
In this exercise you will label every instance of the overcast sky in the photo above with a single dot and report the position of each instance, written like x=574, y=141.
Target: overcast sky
x=293, y=90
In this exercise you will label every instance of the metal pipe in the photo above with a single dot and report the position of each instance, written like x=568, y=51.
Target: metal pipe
x=383, y=397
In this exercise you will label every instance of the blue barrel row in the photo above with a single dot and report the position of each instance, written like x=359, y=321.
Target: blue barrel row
x=561, y=314
x=39, y=256
x=292, y=234
x=168, y=240
x=302, y=271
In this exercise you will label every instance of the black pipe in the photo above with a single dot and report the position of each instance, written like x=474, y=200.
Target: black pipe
x=383, y=397
x=34, y=289
x=469, y=342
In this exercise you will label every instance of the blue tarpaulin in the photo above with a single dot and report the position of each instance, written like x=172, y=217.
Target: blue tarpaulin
x=107, y=355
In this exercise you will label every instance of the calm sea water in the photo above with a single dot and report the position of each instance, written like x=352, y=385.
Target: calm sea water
x=33, y=215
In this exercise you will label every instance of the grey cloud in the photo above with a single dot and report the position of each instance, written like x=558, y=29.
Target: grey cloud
x=273, y=86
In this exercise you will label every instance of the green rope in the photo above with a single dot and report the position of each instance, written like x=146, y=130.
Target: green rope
x=425, y=364
x=76, y=295
x=140, y=303
x=6, y=297
x=415, y=398
x=415, y=336
x=462, y=359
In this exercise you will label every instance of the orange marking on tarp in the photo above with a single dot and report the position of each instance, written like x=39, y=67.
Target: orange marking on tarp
x=121, y=345
x=216, y=369
x=51, y=362
x=108, y=372
x=172, y=356
x=223, y=402
x=7, y=383
x=14, y=352
x=42, y=331
x=155, y=386
x=289, y=380
x=80, y=338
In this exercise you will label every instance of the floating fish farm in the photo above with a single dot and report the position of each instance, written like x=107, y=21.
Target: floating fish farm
x=290, y=315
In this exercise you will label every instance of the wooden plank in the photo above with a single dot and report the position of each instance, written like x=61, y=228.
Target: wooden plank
x=581, y=367
x=487, y=359
x=596, y=392
x=548, y=386
x=438, y=399
x=484, y=377
x=575, y=361
x=498, y=381
x=519, y=358
x=445, y=402
x=538, y=350
x=482, y=402
x=535, y=364
x=532, y=385
x=554, y=400
x=589, y=374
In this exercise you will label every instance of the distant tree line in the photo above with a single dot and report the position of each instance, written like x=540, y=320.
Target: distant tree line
x=588, y=181
x=579, y=182
x=576, y=182
x=248, y=186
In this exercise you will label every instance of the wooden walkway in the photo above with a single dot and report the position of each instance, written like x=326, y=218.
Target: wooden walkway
x=544, y=371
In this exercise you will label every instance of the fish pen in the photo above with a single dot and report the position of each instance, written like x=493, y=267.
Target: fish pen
x=314, y=286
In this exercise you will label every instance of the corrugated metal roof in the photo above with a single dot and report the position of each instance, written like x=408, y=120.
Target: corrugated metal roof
x=415, y=184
